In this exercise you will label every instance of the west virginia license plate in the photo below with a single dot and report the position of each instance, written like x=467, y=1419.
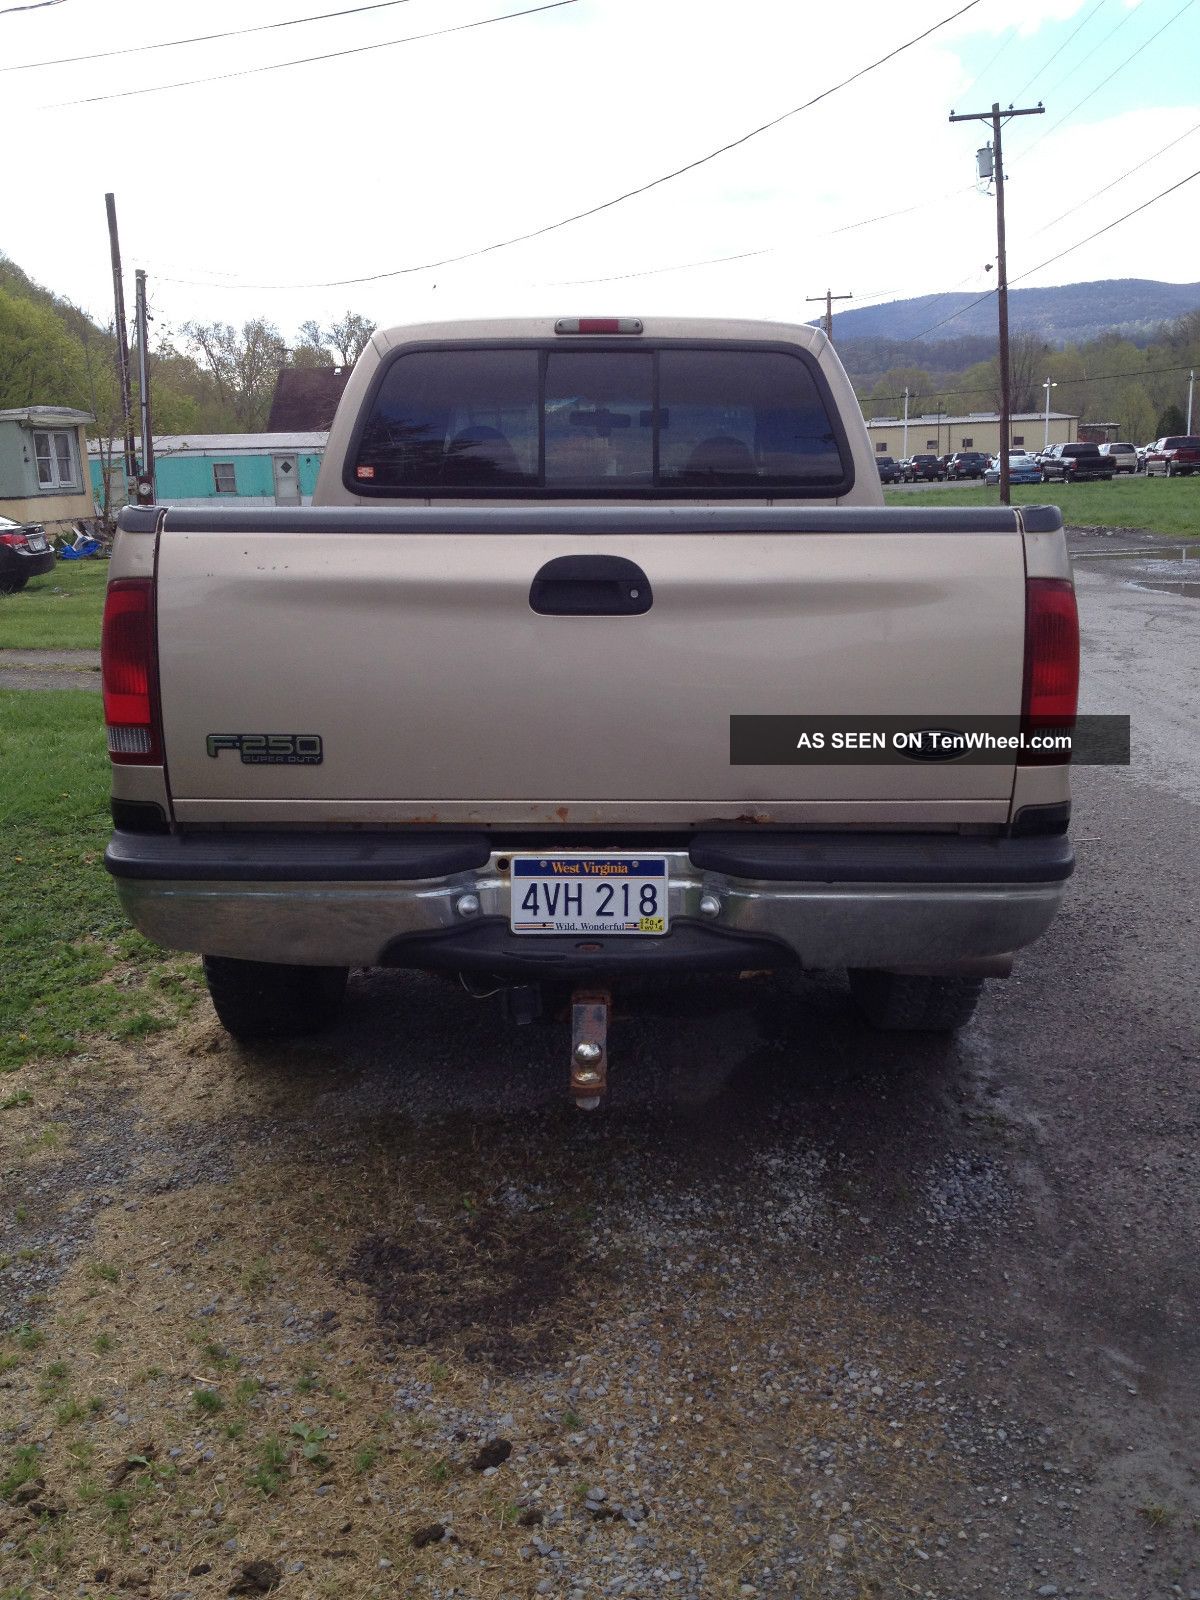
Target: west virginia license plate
x=589, y=894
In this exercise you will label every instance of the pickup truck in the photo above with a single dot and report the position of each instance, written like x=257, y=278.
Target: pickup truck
x=489, y=706
x=1075, y=463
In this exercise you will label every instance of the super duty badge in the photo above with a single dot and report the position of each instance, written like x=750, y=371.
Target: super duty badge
x=270, y=749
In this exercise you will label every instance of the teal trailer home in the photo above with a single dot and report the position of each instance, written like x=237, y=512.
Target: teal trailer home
x=254, y=469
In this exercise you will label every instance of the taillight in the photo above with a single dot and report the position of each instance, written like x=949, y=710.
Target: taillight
x=129, y=675
x=1051, y=689
x=13, y=540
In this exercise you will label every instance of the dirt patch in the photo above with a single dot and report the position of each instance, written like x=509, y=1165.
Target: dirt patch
x=498, y=1288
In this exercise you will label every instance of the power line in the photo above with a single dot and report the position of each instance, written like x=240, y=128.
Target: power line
x=654, y=272
x=1088, y=198
x=923, y=205
x=1116, y=70
x=1082, y=61
x=1108, y=227
x=1050, y=260
x=37, y=5
x=199, y=38
x=1098, y=377
x=1044, y=64
x=629, y=194
x=1010, y=35
x=304, y=61
x=954, y=315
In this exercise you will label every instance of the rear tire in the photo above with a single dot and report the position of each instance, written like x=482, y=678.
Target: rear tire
x=12, y=585
x=268, y=1000
x=902, y=1002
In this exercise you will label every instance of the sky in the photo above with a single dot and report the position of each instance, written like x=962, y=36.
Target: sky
x=261, y=193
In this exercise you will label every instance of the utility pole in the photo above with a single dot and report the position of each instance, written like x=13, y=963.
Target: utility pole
x=1191, y=390
x=1048, y=385
x=994, y=117
x=145, y=489
x=829, y=297
x=114, y=246
x=905, y=452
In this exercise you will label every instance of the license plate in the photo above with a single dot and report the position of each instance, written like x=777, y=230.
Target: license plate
x=589, y=894
x=36, y=542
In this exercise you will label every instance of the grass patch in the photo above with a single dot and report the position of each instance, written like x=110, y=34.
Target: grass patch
x=207, y=1401
x=61, y=611
x=267, y=1476
x=1157, y=1516
x=63, y=935
x=25, y=1465
x=1163, y=505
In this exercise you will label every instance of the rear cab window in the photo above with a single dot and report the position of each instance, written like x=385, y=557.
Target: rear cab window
x=561, y=421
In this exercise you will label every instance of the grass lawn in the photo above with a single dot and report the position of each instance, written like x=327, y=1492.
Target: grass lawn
x=70, y=965
x=58, y=612
x=1163, y=505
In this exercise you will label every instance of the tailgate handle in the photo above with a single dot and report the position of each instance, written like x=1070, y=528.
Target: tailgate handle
x=590, y=586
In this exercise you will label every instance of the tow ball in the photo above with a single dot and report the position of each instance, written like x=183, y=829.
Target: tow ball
x=590, y=1013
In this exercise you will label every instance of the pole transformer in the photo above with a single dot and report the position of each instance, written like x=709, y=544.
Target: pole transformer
x=997, y=118
x=829, y=297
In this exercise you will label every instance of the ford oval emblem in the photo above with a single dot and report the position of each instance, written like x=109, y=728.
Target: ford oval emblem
x=931, y=744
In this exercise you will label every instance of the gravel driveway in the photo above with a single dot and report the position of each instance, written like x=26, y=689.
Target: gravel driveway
x=805, y=1310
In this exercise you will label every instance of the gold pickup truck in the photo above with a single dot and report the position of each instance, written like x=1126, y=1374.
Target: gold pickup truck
x=546, y=685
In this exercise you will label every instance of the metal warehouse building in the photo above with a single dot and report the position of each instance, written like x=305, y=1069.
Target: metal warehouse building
x=938, y=434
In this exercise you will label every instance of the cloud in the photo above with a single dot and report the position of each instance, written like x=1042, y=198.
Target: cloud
x=426, y=150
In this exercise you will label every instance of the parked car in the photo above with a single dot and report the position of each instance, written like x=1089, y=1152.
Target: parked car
x=1123, y=456
x=1176, y=456
x=966, y=464
x=889, y=470
x=523, y=860
x=1072, y=462
x=928, y=468
x=1022, y=468
x=1142, y=451
x=25, y=552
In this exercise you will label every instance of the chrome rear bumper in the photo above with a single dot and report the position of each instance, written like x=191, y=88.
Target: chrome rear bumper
x=460, y=920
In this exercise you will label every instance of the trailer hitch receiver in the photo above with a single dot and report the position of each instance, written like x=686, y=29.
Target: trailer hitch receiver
x=590, y=1011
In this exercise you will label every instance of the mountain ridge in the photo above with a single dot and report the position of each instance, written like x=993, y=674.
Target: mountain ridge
x=1070, y=313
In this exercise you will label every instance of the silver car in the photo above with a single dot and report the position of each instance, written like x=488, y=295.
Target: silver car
x=1124, y=457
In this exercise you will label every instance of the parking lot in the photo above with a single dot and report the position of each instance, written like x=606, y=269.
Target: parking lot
x=803, y=1310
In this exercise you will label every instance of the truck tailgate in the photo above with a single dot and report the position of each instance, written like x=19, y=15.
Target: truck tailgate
x=405, y=639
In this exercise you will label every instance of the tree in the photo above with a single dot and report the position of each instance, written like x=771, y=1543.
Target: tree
x=312, y=347
x=40, y=364
x=1172, y=420
x=244, y=366
x=1026, y=357
x=1135, y=413
x=349, y=336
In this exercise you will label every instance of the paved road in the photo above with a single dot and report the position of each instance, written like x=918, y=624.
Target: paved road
x=803, y=1310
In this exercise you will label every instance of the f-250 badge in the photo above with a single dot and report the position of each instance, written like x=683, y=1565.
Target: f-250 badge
x=270, y=749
